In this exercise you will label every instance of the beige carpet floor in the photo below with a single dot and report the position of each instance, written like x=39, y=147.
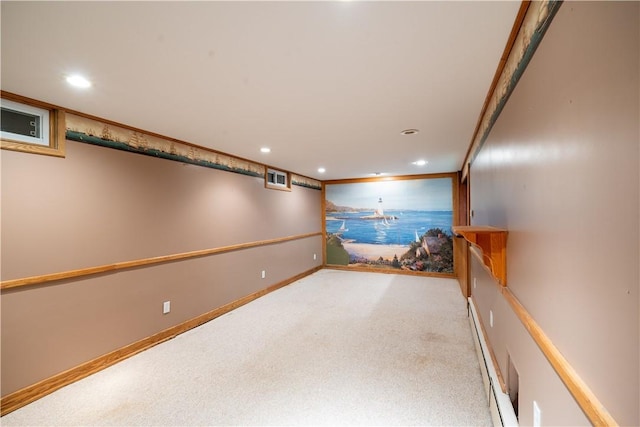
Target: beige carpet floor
x=335, y=348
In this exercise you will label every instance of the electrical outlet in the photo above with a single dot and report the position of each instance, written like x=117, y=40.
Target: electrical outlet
x=166, y=307
x=491, y=318
x=264, y=274
x=314, y=257
x=537, y=415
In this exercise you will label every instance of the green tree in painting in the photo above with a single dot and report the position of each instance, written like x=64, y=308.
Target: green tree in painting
x=336, y=253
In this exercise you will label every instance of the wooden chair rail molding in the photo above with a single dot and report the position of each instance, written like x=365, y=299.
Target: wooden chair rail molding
x=492, y=242
x=22, y=397
x=589, y=403
x=35, y=280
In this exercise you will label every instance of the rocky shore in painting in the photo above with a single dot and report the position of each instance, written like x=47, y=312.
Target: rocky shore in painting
x=432, y=253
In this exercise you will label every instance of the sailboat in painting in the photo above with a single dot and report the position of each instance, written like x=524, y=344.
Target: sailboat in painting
x=342, y=228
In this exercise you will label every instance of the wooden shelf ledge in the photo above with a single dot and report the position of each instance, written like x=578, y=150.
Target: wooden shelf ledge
x=492, y=242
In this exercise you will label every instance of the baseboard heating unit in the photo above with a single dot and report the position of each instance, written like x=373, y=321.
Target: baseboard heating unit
x=502, y=412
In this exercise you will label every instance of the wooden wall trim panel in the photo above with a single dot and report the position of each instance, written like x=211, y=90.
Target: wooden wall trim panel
x=52, y=277
x=591, y=406
x=29, y=394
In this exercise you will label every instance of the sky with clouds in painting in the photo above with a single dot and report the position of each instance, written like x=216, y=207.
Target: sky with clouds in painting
x=415, y=194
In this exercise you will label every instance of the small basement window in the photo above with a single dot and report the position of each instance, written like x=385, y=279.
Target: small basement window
x=277, y=180
x=31, y=128
x=24, y=123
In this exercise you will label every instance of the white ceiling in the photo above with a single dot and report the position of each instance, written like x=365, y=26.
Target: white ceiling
x=327, y=84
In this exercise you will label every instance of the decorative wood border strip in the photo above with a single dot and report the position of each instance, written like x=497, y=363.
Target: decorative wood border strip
x=452, y=175
x=35, y=280
x=303, y=181
x=22, y=397
x=589, y=403
x=531, y=23
x=97, y=132
x=85, y=128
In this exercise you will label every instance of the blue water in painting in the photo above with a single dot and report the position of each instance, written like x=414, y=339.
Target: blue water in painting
x=401, y=231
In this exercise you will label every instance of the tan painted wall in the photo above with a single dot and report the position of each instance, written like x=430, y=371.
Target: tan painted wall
x=99, y=206
x=560, y=172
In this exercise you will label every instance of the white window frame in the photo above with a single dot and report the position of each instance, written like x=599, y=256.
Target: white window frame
x=51, y=141
x=41, y=113
x=275, y=185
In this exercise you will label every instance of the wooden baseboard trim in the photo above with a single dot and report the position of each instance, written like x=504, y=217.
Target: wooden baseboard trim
x=20, y=398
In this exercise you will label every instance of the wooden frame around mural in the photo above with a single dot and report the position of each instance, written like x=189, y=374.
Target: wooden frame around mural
x=340, y=250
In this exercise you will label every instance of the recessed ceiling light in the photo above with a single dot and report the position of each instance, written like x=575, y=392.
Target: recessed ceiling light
x=420, y=162
x=322, y=170
x=409, y=131
x=78, y=81
x=265, y=149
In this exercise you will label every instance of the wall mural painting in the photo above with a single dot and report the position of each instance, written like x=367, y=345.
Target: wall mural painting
x=403, y=225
